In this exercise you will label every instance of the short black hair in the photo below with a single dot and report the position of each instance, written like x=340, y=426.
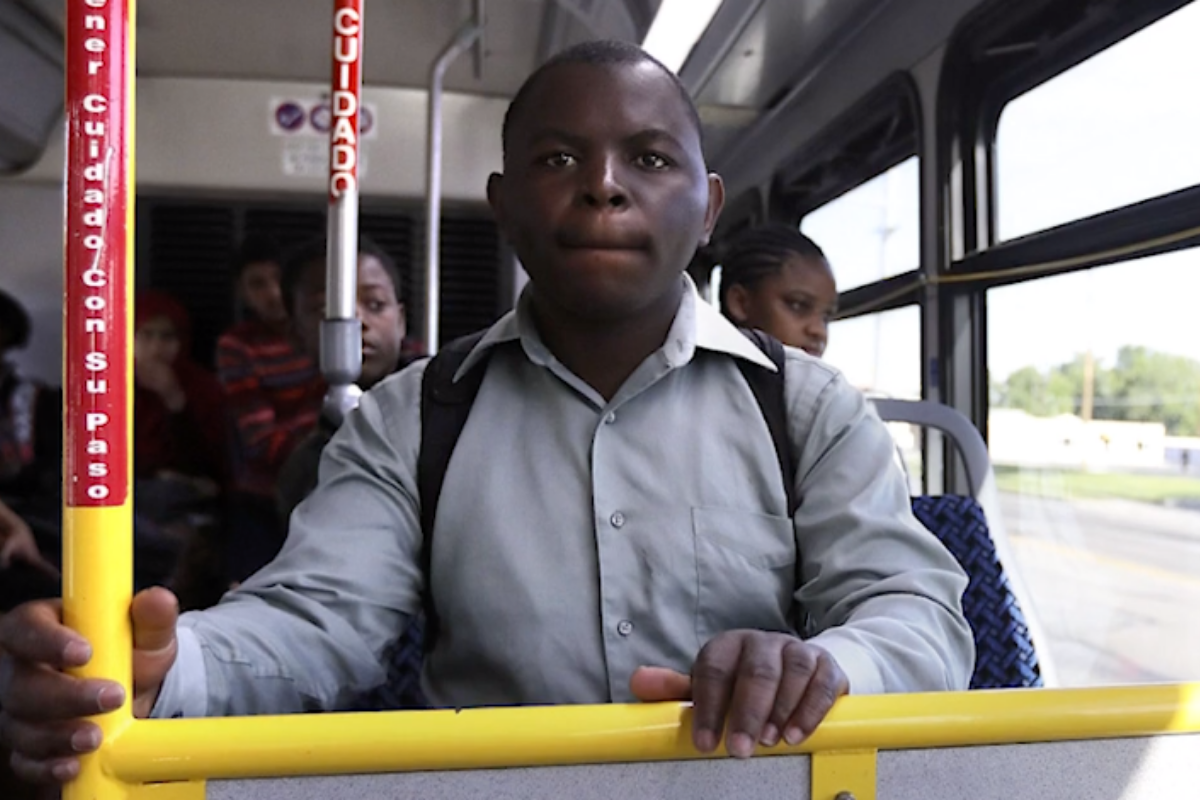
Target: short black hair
x=601, y=53
x=14, y=322
x=298, y=260
x=256, y=248
x=755, y=253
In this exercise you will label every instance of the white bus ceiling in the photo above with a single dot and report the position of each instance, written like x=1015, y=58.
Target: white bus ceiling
x=759, y=58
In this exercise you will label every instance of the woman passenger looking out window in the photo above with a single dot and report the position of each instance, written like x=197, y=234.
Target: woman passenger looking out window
x=776, y=279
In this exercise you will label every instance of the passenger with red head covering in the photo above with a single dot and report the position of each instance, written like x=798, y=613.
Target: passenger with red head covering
x=178, y=406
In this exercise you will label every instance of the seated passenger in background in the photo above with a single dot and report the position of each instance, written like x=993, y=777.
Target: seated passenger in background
x=30, y=471
x=180, y=432
x=25, y=573
x=609, y=527
x=776, y=279
x=180, y=438
x=30, y=426
x=273, y=393
x=381, y=309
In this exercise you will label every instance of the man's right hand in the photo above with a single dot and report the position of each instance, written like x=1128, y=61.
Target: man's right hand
x=43, y=710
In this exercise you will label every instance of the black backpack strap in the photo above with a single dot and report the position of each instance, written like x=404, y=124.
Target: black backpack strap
x=445, y=406
x=768, y=389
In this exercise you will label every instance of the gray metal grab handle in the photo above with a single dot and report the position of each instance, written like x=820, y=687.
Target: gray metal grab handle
x=955, y=425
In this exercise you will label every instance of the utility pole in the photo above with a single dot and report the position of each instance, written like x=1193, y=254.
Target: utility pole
x=1089, y=386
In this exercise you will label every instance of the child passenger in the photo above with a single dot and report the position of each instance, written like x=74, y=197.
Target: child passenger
x=273, y=392
x=178, y=407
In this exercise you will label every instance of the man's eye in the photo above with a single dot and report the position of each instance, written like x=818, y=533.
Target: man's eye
x=800, y=306
x=560, y=160
x=653, y=161
x=376, y=306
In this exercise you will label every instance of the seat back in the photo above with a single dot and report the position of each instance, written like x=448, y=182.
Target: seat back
x=1005, y=657
x=972, y=530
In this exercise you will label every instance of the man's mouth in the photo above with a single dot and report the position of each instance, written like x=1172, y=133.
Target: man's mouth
x=587, y=241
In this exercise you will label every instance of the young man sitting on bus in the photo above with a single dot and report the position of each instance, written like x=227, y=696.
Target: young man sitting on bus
x=612, y=525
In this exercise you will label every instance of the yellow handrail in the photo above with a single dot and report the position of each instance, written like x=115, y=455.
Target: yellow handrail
x=512, y=737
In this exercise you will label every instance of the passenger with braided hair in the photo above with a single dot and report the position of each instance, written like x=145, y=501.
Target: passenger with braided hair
x=776, y=279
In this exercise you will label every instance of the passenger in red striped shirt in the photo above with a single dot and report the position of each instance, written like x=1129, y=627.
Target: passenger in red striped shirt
x=273, y=389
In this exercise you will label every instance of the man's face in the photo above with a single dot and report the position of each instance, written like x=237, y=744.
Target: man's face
x=382, y=315
x=605, y=196
x=259, y=289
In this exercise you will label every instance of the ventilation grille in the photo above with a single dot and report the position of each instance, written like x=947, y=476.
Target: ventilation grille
x=288, y=227
x=470, y=272
x=191, y=251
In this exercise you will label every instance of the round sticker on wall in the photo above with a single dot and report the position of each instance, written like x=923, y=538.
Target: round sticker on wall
x=289, y=116
x=320, y=117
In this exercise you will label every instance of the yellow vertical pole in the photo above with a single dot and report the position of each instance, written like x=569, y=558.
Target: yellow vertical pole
x=97, y=352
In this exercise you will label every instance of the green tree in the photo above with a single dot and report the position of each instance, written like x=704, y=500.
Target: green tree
x=1038, y=394
x=1149, y=386
x=1143, y=386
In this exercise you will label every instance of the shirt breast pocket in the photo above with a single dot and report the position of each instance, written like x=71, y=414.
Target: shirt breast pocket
x=745, y=571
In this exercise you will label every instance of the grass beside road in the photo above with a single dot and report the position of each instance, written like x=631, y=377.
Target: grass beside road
x=1069, y=483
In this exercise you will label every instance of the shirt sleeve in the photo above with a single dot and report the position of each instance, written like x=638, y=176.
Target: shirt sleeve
x=882, y=595
x=308, y=631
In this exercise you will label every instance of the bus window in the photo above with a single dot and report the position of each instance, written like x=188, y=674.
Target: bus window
x=881, y=355
x=873, y=231
x=1122, y=126
x=1094, y=429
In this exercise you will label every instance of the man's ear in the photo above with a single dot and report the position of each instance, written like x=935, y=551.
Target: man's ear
x=716, y=202
x=737, y=303
x=495, y=198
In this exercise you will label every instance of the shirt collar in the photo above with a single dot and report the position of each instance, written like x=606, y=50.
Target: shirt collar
x=697, y=325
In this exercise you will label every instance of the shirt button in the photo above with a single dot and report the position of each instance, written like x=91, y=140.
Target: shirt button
x=624, y=627
x=610, y=418
x=617, y=519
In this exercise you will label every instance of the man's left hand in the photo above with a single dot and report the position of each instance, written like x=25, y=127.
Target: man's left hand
x=758, y=686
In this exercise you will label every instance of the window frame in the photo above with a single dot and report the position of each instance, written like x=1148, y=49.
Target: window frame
x=896, y=98
x=972, y=95
x=972, y=99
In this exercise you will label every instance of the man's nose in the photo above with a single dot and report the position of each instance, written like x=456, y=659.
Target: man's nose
x=602, y=186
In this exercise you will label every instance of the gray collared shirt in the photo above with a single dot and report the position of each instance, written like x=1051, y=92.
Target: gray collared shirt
x=577, y=539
